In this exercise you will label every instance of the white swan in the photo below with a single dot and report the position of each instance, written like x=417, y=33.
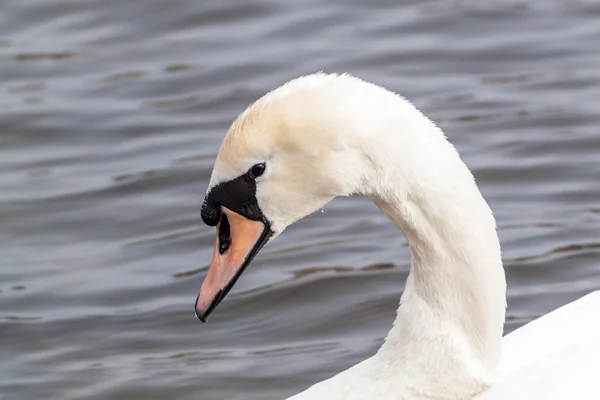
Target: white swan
x=322, y=136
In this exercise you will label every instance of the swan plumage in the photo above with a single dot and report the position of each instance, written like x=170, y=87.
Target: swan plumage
x=322, y=136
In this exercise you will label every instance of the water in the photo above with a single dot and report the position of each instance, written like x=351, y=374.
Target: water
x=111, y=113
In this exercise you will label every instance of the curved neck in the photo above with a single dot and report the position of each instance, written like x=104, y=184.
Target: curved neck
x=448, y=329
x=456, y=277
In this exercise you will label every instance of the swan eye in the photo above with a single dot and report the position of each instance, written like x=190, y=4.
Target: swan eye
x=257, y=170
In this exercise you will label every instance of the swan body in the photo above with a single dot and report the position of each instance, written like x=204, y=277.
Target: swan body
x=554, y=357
x=323, y=136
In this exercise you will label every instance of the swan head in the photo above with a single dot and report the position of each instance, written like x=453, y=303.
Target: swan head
x=285, y=157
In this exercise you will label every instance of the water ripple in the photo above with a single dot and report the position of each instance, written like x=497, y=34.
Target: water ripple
x=111, y=115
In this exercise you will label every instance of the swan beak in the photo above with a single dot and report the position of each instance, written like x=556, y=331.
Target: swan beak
x=239, y=239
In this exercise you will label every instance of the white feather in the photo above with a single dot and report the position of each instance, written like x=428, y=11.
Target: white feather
x=350, y=136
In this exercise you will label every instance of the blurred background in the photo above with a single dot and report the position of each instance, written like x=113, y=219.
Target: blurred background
x=111, y=114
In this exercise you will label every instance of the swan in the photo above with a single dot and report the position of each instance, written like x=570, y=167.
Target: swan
x=326, y=135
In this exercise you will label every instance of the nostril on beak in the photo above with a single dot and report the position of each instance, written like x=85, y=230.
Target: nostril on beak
x=224, y=234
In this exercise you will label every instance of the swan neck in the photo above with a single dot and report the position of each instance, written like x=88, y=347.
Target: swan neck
x=452, y=310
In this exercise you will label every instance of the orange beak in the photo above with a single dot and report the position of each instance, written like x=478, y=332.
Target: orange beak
x=238, y=240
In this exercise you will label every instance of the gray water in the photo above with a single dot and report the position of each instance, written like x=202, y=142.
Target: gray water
x=111, y=113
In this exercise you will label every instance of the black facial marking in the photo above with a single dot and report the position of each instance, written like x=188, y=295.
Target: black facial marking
x=239, y=195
